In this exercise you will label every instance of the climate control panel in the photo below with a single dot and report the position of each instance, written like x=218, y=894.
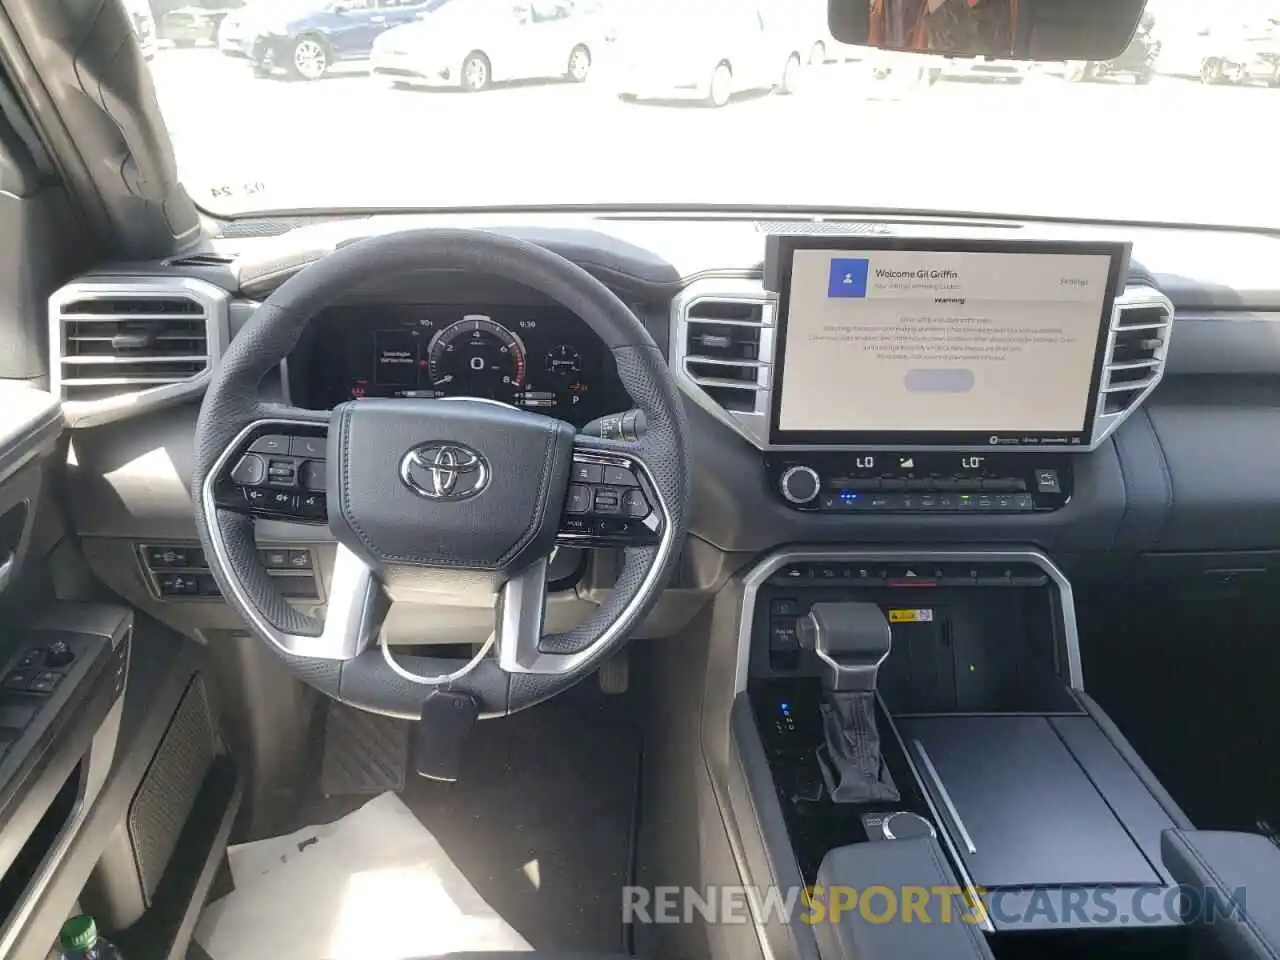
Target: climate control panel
x=931, y=482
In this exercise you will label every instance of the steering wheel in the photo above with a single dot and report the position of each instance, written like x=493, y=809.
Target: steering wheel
x=461, y=495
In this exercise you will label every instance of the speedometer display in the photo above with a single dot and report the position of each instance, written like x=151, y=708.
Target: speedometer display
x=542, y=359
x=477, y=357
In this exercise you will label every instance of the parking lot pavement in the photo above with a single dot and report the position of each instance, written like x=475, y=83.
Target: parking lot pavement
x=1046, y=146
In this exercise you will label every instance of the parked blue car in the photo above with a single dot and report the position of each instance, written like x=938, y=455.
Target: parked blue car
x=306, y=38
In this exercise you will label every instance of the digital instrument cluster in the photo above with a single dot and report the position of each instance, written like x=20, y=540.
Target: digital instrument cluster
x=541, y=359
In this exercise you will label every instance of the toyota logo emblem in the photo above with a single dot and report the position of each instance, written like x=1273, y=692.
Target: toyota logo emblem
x=444, y=471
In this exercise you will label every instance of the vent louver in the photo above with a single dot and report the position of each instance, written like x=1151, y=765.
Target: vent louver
x=722, y=352
x=1138, y=345
x=721, y=348
x=119, y=343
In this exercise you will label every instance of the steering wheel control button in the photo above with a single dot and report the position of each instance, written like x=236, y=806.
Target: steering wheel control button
x=255, y=497
x=311, y=475
x=620, y=477
x=587, y=473
x=275, y=445
x=281, y=501
x=310, y=448
x=250, y=471
x=313, y=506
x=282, y=473
x=577, y=526
x=578, y=499
x=634, y=504
x=607, y=502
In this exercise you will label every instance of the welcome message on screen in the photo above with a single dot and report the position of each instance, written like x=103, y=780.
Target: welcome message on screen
x=922, y=341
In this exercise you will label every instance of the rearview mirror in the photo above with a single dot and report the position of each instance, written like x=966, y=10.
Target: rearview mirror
x=1006, y=29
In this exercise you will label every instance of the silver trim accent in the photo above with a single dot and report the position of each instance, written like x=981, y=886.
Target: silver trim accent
x=216, y=303
x=759, y=574
x=353, y=591
x=849, y=677
x=520, y=617
x=792, y=471
x=753, y=426
x=888, y=834
x=650, y=522
x=947, y=802
x=451, y=462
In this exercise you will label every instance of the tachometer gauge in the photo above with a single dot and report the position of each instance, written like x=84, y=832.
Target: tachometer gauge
x=477, y=357
x=564, y=360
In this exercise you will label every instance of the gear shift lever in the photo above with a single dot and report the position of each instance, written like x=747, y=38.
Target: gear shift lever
x=851, y=640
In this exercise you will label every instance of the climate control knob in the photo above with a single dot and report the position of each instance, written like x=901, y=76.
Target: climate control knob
x=800, y=485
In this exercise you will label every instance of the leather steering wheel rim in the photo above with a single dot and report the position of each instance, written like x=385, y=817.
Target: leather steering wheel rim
x=231, y=408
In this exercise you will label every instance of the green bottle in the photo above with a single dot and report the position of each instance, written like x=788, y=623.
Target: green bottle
x=79, y=940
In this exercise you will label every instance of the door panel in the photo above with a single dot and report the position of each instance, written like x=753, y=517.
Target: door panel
x=30, y=425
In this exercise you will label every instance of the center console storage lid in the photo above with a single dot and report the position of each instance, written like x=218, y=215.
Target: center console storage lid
x=898, y=866
x=1022, y=809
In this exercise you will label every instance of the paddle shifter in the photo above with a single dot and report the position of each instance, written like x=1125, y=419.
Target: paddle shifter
x=851, y=640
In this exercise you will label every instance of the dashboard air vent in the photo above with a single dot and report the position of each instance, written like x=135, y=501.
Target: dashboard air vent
x=1138, y=345
x=117, y=343
x=722, y=352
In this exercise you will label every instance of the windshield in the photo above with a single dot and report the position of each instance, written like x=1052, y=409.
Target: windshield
x=291, y=104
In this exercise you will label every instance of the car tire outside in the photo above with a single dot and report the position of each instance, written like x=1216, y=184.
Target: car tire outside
x=309, y=58
x=476, y=72
x=579, y=65
x=1211, y=71
x=721, y=87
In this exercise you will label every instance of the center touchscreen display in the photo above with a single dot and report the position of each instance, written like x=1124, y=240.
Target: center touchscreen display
x=893, y=341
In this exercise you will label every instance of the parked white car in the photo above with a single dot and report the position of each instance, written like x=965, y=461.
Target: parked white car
x=983, y=68
x=707, y=53
x=474, y=43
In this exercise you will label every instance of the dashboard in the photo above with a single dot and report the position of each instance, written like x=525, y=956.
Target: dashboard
x=537, y=358
x=1173, y=478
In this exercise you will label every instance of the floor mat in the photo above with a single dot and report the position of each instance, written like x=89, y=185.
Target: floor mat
x=373, y=885
x=542, y=820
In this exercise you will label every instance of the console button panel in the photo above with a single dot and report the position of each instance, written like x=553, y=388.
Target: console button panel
x=930, y=482
x=179, y=571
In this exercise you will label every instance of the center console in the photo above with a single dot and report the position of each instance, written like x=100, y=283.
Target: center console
x=993, y=751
